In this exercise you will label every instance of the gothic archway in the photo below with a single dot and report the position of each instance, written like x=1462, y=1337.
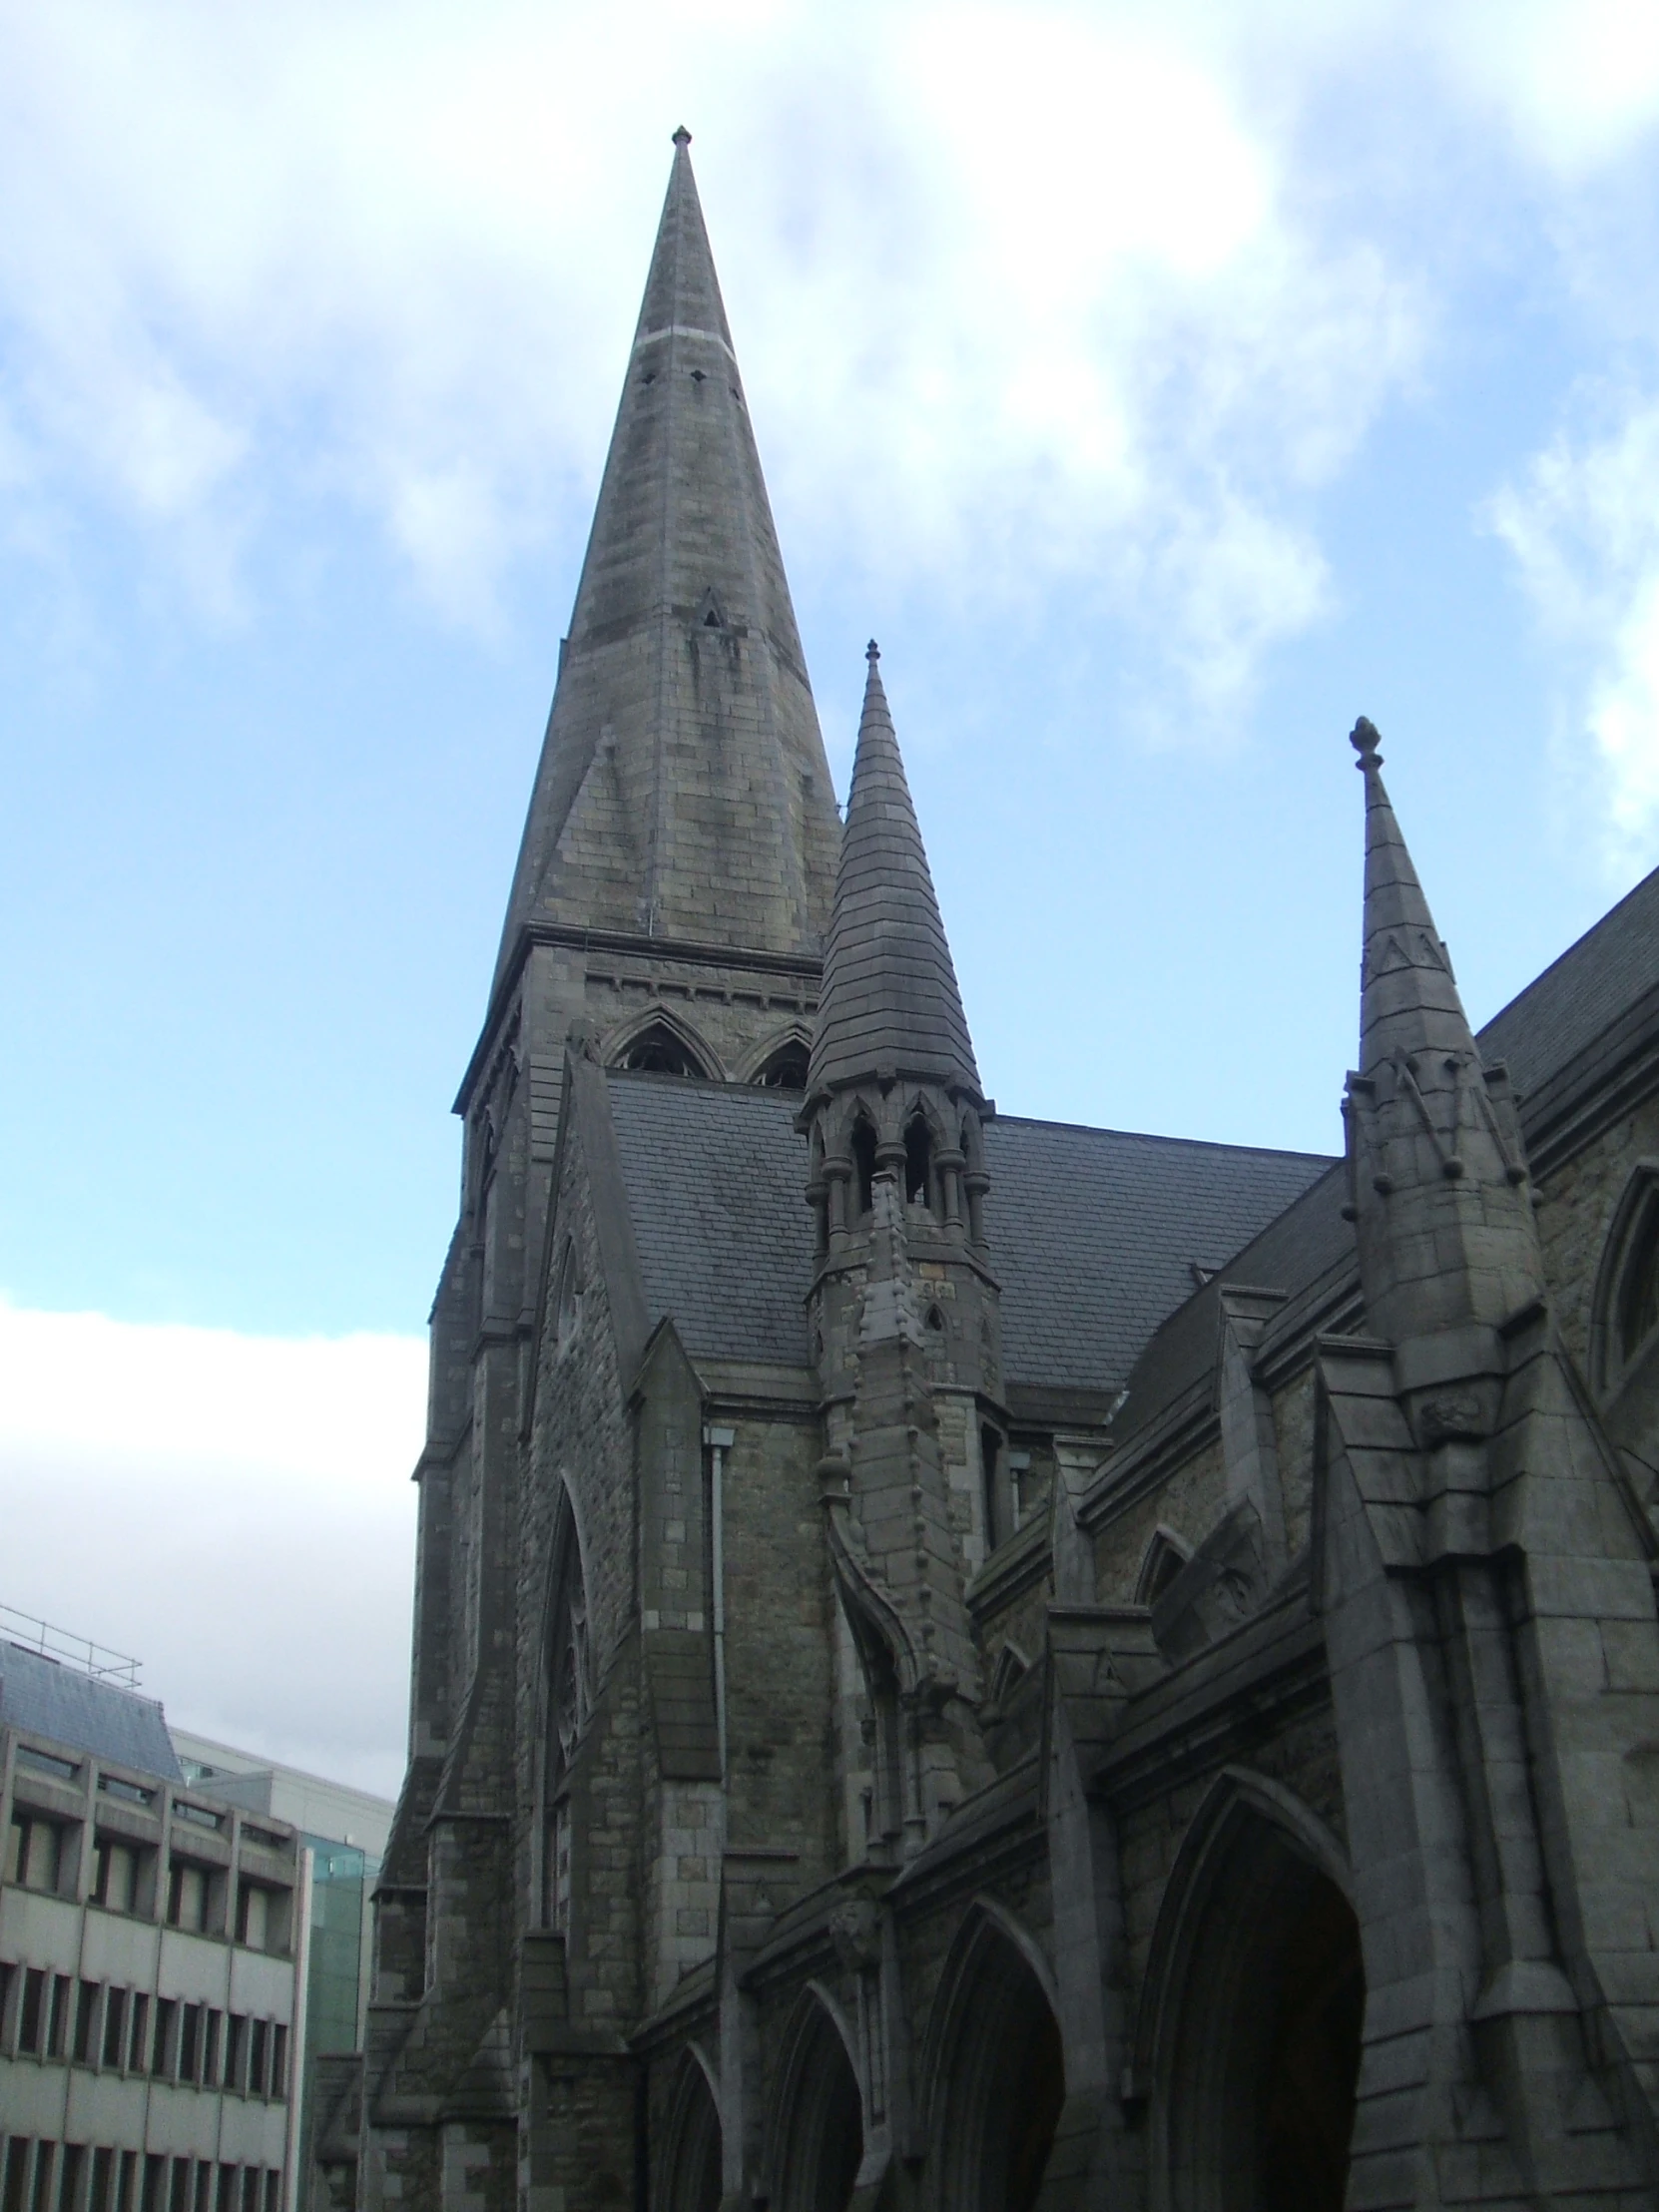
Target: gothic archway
x=693, y=2175
x=996, y=2070
x=822, y=2134
x=1255, y=2002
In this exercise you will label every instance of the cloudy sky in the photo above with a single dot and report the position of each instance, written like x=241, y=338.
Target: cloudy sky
x=1163, y=386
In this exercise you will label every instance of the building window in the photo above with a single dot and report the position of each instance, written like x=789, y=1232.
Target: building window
x=86, y=2023
x=570, y=1701
x=235, y=2045
x=786, y=1070
x=189, y=2027
x=257, y=2043
x=991, y=1464
x=1638, y=1295
x=253, y=1917
x=138, y=2040
x=115, y=2021
x=30, y=2011
x=279, y=2061
x=919, y=1162
x=186, y=1896
x=160, y=2051
x=57, y=2031
x=863, y=1161
x=658, y=1050
x=114, y=1881
x=34, y=1852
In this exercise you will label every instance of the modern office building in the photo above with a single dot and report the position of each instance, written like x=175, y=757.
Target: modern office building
x=148, y=1984
x=343, y=1835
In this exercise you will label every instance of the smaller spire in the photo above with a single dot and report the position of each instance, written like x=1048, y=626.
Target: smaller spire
x=1409, y=996
x=682, y=137
x=891, y=1005
x=1434, y=1149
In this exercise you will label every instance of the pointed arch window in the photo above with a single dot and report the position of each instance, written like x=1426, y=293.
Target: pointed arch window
x=1624, y=1325
x=1165, y=1555
x=786, y=1069
x=1637, y=1310
x=569, y=1703
x=863, y=1161
x=660, y=1050
x=919, y=1162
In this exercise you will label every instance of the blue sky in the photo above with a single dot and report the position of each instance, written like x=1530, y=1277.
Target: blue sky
x=1163, y=386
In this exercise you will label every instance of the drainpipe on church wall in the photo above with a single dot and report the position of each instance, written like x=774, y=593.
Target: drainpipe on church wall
x=719, y=1442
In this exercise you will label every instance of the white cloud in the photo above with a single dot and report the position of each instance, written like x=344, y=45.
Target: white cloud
x=1583, y=526
x=235, y=1510
x=1014, y=287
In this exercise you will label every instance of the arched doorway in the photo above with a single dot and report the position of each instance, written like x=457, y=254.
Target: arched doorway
x=823, y=2129
x=999, y=2075
x=1262, y=2012
x=695, y=2178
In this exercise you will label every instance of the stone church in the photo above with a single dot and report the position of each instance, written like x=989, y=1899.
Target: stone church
x=967, y=1664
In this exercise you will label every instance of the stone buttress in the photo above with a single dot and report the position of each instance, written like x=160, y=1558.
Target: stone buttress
x=1483, y=1575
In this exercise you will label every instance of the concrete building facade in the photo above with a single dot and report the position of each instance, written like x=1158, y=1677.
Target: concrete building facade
x=342, y=1837
x=971, y=1664
x=147, y=1968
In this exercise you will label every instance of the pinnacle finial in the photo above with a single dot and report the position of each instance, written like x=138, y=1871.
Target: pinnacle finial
x=872, y=653
x=682, y=137
x=1366, y=737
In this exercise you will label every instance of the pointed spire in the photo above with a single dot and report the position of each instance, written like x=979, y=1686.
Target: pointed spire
x=683, y=790
x=1435, y=1158
x=891, y=1005
x=1409, y=996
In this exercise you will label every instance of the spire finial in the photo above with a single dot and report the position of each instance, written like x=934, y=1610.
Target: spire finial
x=682, y=137
x=872, y=653
x=1366, y=737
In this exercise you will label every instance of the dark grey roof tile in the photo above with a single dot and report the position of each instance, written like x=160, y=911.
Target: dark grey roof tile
x=83, y=1713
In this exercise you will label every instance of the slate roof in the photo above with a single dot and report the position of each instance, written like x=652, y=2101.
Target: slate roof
x=1093, y=1232
x=716, y=1178
x=1577, y=996
x=84, y=1714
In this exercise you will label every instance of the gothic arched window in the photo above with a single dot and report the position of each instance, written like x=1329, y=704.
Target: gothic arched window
x=863, y=1161
x=661, y=1050
x=569, y=1702
x=786, y=1069
x=919, y=1162
x=1637, y=1307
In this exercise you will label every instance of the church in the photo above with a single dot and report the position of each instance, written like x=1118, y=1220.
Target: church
x=965, y=1664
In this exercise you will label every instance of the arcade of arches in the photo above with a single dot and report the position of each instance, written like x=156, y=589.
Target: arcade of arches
x=1255, y=2095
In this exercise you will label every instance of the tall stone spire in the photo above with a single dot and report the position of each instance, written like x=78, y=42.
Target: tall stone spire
x=683, y=790
x=891, y=1005
x=1438, y=1172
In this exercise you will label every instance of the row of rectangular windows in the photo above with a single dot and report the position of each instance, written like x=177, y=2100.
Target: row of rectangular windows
x=94, y=2024
x=39, y=2176
x=39, y=1855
